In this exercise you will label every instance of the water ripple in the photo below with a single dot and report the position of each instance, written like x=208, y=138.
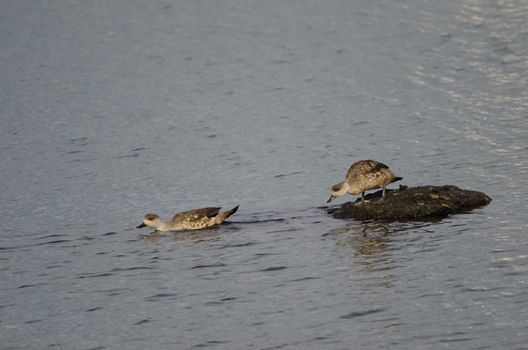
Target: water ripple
x=207, y=266
x=160, y=296
x=355, y=314
x=273, y=268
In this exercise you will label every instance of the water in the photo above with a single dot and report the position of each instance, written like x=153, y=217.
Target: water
x=110, y=110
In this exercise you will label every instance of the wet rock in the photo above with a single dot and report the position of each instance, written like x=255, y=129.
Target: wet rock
x=412, y=203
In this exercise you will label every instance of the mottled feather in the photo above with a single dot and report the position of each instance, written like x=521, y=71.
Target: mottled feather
x=188, y=220
x=362, y=176
x=366, y=175
x=198, y=213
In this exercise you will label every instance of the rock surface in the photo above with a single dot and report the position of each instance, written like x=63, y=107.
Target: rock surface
x=412, y=203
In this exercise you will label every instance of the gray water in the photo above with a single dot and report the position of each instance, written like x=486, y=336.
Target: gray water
x=113, y=109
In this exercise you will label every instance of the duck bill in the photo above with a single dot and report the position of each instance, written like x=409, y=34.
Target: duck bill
x=142, y=225
x=330, y=199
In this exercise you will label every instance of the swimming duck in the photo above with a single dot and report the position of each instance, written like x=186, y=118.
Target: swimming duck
x=195, y=219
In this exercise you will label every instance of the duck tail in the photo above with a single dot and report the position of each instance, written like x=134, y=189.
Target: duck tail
x=397, y=178
x=224, y=215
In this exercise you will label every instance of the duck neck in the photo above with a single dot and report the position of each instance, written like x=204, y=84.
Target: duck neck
x=343, y=189
x=162, y=226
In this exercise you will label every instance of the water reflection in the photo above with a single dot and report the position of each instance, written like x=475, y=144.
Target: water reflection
x=371, y=247
x=195, y=237
x=484, y=68
x=371, y=237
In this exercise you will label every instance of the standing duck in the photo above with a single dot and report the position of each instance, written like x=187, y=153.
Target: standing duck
x=362, y=176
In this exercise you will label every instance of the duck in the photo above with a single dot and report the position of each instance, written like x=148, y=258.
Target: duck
x=195, y=219
x=362, y=176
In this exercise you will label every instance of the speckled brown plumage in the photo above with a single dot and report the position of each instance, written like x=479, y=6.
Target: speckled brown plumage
x=367, y=175
x=195, y=219
x=362, y=176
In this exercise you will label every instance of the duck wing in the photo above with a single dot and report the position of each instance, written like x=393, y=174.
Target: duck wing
x=364, y=168
x=197, y=213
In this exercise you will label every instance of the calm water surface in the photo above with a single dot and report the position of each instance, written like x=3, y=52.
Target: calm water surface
x=110, y=110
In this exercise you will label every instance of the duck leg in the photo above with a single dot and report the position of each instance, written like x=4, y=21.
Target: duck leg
x=363, y=200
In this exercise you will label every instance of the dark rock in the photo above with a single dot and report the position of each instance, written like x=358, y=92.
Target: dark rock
x=412, y=203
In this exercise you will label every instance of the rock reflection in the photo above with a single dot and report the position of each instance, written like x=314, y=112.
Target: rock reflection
x=369, y=243
x=373, y=247
x=366, y=239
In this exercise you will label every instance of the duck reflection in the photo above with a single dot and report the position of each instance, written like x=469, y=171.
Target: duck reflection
x=372, y=245
x=369, y=243
x=155, y=236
